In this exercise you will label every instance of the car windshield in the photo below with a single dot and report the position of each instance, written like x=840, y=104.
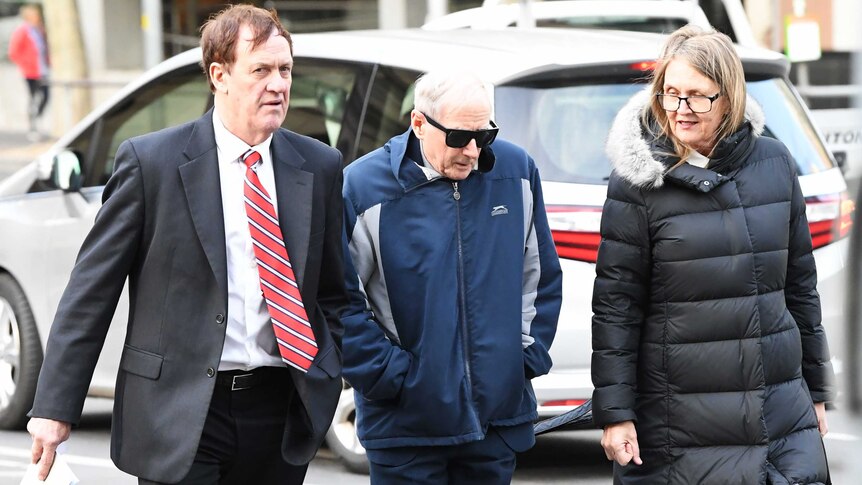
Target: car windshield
x=564, y=127
x=657, y=25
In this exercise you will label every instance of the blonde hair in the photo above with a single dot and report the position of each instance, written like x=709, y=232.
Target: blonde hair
x=712, y=54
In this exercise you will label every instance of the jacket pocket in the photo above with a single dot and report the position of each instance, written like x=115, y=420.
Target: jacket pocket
x=141, y=363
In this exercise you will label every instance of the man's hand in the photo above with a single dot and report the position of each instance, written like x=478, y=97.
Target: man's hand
x=620, y=441
x=820, y=411
x=47, y=435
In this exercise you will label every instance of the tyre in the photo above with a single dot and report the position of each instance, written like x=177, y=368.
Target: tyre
x=20, y=355
x=341, y=437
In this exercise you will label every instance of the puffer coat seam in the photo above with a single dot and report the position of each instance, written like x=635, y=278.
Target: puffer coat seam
x=707, y=258
x=800, y=256
x=667, y=397
x=729, y=339
x=686, y=213
x=757, y=317
x=788, y=329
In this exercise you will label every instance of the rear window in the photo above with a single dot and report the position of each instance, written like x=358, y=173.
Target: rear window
x=788, y=121
x=657, y=25
x=564, y=127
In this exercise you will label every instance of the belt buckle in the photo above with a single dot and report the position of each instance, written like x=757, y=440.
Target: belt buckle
x=238, y=386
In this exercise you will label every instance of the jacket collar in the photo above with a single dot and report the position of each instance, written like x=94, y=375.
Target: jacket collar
x=639, y=161
x=405, y=160
x=201, y=184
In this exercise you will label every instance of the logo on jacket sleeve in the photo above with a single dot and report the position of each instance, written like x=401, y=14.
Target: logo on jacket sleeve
x=499, y=210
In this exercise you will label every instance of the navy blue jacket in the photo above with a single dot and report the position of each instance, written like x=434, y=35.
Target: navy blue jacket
x=457, y=296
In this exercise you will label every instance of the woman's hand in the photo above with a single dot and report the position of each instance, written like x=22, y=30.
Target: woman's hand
x=820, y=411
x=620, y=441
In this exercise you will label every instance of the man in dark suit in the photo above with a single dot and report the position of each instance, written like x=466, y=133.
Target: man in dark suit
x=229, y=231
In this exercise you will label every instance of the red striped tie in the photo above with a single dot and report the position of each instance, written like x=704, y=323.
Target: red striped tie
x=289, y=320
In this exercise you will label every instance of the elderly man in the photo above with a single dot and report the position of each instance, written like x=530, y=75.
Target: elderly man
x=457, y=296
x=229, y=229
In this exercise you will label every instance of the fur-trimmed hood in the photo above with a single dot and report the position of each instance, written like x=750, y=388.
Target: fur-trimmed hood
x=630, y=154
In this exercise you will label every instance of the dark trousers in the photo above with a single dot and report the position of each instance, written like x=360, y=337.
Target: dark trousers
x=487, y=462
x=241, y=439
x=38, y=99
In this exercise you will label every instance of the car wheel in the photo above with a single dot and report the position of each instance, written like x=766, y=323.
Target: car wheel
x=341, y=437
x=20, y=355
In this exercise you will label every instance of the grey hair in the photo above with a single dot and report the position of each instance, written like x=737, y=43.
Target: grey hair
x=437, y=90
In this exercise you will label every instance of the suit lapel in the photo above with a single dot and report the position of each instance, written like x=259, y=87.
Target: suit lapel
x=294, y=190
x=200, y=176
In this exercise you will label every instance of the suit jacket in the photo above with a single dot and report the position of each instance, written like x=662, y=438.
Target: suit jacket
x=162, y=226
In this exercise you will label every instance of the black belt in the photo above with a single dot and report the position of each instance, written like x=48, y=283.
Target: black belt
x=238, y=380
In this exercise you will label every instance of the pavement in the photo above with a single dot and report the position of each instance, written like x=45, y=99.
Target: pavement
x=15, y=149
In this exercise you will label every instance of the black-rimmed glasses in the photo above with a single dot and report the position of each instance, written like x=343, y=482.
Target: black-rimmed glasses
x=460, y=138
x=697, y=104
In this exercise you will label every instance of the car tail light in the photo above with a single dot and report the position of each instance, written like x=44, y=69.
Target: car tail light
x=565, y=402
x=829, y=217
x=643, y=66
x=575, y=230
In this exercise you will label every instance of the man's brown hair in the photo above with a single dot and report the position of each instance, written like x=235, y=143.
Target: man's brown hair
x=220, y=34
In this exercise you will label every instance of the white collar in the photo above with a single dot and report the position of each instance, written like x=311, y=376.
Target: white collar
x=231, y=146
x=696, y=159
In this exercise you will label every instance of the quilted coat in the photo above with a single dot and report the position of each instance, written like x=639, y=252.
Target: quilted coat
x=706, y=327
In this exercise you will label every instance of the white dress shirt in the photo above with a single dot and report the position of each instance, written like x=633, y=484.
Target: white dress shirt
x=249, y=338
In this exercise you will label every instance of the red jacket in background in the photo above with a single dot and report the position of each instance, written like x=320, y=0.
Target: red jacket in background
x=24, y=51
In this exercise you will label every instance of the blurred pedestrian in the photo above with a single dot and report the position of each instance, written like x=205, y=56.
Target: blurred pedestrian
x=458, y=294
x=28, y=49
x=710, y=364
x=229, y=229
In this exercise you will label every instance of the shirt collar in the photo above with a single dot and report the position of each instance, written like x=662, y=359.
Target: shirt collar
x=231, y=146
x=698, y=160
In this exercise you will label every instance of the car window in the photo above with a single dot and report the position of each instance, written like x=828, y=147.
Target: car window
x=317, y=106
x=633, y=23
x=170, y=100
x=787, y=121
x=565, y=127
x=318, y=98
x=388, y=108
x=718, y=17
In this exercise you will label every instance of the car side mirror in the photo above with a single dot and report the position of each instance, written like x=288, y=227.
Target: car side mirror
x=66, y=171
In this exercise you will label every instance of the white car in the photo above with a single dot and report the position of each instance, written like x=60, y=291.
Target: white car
x=635, y=15
x=842, y=130
x=555, y=92
x=658, y=16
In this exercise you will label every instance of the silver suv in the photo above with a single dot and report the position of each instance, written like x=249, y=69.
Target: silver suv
x=555, y=91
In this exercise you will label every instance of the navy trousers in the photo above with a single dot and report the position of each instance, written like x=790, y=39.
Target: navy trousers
x=487, y=462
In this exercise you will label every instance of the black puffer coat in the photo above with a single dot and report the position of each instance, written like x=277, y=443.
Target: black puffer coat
x=707, y=328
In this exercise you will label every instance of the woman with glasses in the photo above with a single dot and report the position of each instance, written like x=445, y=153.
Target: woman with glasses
x=710, y=364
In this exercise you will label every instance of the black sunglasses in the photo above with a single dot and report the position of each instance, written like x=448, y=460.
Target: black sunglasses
x=460, y=138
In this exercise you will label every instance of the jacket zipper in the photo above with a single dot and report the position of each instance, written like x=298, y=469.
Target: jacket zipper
x=462, y=304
